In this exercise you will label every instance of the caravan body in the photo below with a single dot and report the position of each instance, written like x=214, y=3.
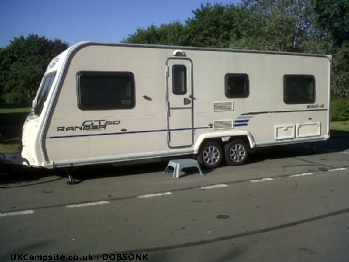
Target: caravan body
x=113, y=103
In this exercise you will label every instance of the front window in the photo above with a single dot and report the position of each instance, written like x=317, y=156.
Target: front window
x=43, y=92
x=105, y=90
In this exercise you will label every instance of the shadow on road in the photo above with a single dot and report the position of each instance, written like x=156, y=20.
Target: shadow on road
x=335, y=144
x=17, y=175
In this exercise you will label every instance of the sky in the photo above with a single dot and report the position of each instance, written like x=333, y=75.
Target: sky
x=91, y=20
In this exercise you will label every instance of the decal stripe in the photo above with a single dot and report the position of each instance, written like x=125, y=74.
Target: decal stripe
x=243, y=124
x=126, y=133
x=283, y=111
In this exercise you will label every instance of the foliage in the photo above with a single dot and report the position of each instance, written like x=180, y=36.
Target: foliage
x=166, y=34
x=211, y=26
x=332, y=16
x=22, y=64
x=305, y=26
x=340, y=68
x=280, y=25
x=340, y=109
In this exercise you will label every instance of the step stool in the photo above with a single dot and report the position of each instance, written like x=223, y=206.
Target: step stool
x=179, y=164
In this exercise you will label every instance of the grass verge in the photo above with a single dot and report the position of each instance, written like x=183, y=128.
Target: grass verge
x=13, y=116
x=339, y=127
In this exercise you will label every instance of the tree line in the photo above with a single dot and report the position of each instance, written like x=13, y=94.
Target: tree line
x=304, y=26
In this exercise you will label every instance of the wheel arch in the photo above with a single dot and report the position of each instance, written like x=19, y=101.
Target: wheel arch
x=224, y=137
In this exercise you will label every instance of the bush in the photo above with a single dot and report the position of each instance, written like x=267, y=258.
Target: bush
x=340, y=109
x=15, y=98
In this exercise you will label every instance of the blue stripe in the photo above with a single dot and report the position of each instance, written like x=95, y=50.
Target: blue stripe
x=242, y=121
x=241, y=124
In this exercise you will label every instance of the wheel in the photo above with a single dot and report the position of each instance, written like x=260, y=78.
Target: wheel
x=211, y=154
x=236, y=152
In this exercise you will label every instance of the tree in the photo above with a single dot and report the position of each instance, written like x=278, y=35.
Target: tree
x=304, y=26
x=22, y=64
x=212, y=25
x=332, y=16
x=281, y=25
x=340, y=67
x=167, y=34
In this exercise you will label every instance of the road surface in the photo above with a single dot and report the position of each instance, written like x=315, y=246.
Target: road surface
x=286, y=204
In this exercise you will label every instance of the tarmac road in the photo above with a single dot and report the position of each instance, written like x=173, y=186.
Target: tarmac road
x=285, y=205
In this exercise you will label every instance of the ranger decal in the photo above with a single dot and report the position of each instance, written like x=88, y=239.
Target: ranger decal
x=90, y=125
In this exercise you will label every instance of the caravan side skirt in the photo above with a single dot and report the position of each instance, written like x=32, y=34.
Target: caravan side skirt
x=118, y=159
x=292, y=141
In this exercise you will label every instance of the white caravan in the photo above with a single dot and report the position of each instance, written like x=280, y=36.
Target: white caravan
x=115, y=103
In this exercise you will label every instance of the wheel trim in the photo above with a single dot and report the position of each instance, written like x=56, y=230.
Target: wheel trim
x=237, y=153
x=211, y=155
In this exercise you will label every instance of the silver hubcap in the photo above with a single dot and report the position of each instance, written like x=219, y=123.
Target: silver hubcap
x=237, y=153
x=211, y=155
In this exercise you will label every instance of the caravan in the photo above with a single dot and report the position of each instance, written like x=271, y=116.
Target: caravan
x=116, y=103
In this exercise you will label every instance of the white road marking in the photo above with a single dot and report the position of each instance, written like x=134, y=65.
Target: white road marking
x=301, y=174
x=337, y=169
x=17, y=213
x=261, y=180
x=214, y=186
x=88, y=204
x=155, y=195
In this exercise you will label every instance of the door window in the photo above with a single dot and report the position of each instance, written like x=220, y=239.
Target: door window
x=179, y=79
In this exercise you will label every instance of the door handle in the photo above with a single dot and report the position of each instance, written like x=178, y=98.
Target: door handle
x=187, y=101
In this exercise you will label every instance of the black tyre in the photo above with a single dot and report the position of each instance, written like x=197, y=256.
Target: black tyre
x=236, y=152
x=211, y=154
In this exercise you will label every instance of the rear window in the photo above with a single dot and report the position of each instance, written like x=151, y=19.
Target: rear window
x=299, y=89
x=105, y=90
x=44, y=89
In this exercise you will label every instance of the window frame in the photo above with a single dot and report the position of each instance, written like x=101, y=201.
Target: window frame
x=246, y=87
x=101, y=74
x=302, y=100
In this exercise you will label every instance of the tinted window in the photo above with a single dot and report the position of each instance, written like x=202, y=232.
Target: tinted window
x=179, y=79
x=43, y=92
x=299, y=89
x=236, y=85
x=106, y=90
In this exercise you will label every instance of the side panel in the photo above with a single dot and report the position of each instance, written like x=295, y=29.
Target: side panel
x=75, y=134
x=263, y=113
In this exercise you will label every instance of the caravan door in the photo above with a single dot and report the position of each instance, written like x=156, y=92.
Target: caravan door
x=180, y=102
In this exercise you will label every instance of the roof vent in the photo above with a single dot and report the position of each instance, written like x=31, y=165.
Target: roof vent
x=179, y=53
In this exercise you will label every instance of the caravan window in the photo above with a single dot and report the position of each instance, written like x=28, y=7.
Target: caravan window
x=179, y=79
x=236, y=85
x=299, y=89
x=43, y=92
x=105, y=90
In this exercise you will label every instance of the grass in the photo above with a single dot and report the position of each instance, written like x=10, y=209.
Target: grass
x=13, y=116
x=9, y=145
x=339, y=127
x=16, y=115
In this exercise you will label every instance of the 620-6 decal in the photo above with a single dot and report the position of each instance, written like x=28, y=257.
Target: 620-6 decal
x=316, y=106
